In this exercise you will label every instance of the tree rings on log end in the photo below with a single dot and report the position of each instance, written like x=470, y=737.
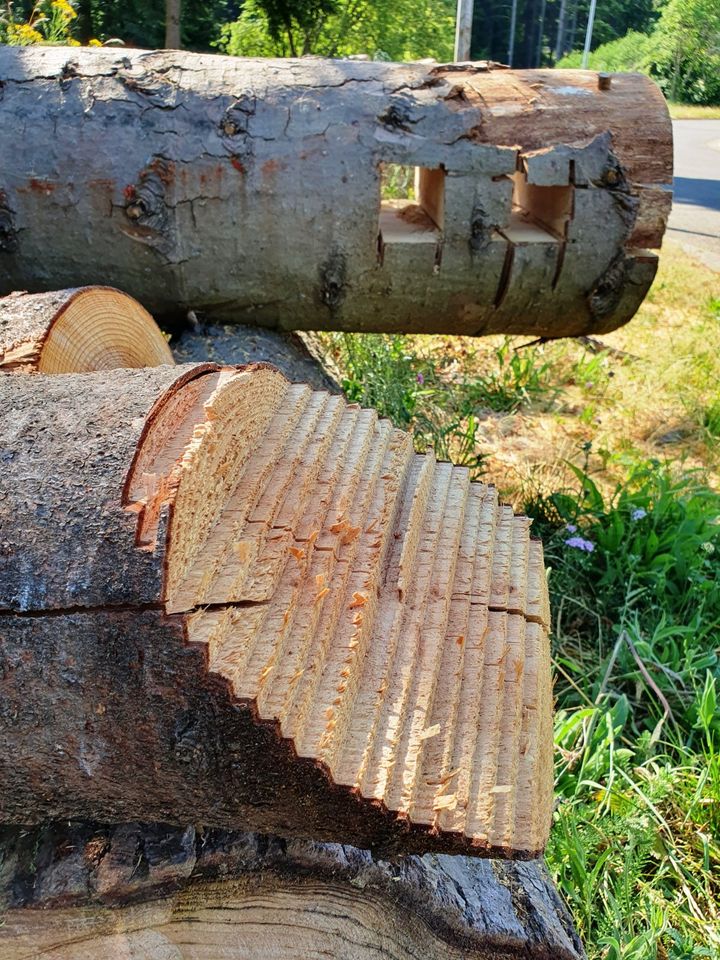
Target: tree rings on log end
x=78, y=330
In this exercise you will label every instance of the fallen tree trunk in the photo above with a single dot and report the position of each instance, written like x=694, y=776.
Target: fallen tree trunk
x=240, y=601
x=82, y=891
x=239, y=344
x=250, y=190
x=73, y=331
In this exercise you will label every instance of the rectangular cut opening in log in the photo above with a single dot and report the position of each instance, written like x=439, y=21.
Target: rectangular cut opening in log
x=412, y=204
x=547, y=209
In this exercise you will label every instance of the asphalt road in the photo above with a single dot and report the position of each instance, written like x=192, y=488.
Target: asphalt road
x=695, y=218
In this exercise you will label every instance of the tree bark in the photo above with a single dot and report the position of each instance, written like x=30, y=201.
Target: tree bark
x=250, y=190
x=73, y=331
x=172, y=24
x=239, y=344
x=81, y=891
x=238, y=601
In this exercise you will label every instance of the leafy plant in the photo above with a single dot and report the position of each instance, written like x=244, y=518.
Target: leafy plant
x=50, y=22
x=429, y=395
x=517, y=380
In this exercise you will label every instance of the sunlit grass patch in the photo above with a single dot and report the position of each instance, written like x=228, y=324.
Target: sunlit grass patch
x=693, y=111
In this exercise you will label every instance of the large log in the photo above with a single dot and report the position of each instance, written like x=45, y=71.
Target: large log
x=74, y=331
x=250, y=190
x=239, y=601
x=83, y=891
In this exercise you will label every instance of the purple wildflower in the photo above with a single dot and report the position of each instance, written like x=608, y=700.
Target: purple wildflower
x=638, y=513
x=420, y=378
x=571, y=527
x=579, y=543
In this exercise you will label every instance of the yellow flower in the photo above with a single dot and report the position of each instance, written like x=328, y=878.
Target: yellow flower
x=22, y=35
x=64, y=8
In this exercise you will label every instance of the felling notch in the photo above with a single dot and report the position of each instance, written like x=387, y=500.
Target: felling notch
x=238, y=601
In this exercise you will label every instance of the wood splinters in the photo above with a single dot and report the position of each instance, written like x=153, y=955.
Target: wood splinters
x=358, y=600
x=443, y=780
x=323, y=593
x=429, y=732
x=447, y=802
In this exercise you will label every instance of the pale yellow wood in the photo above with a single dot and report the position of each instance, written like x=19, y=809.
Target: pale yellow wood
x=78, y=330
x=387, y=613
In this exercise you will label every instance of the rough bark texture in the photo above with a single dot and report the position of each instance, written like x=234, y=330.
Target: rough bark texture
x=81, y=891
x=228, y=598
x=76, y=330
x=250, y=190
x=239, y=344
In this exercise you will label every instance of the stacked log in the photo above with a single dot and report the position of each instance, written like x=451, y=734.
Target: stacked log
x=250, y=190
x=79, y=892
x=77, y=330
x=239, y=601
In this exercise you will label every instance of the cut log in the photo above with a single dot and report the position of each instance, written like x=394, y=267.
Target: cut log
x=240, y=601
x=239, y=344
x=83, y=891
x=250, y=190
x=78, y=330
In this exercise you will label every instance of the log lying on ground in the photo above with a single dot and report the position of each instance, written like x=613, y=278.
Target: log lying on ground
x=78, y=330
x=239, y=601
x=250, y=190
x=83, y=891
x=237, y=343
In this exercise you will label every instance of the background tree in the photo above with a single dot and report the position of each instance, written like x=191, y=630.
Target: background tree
x=172, y=24
x=391, y=29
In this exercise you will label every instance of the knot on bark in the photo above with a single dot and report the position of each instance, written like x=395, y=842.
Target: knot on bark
x=147, y=204
x=236, y=118
x=605, y=297
x=333, y=275
x=398, y=115
x=480, y=228
x=70, y=70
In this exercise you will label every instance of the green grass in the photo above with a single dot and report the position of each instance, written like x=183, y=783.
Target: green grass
x=428, y=393
x=616, y=444
x=636, y=841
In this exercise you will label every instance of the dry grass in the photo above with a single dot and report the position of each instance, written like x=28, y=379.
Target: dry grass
x=693, y=111
x=651, y=394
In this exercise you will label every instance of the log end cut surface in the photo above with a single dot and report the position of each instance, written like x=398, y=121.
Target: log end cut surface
x=78, y=330
x=385, y=614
